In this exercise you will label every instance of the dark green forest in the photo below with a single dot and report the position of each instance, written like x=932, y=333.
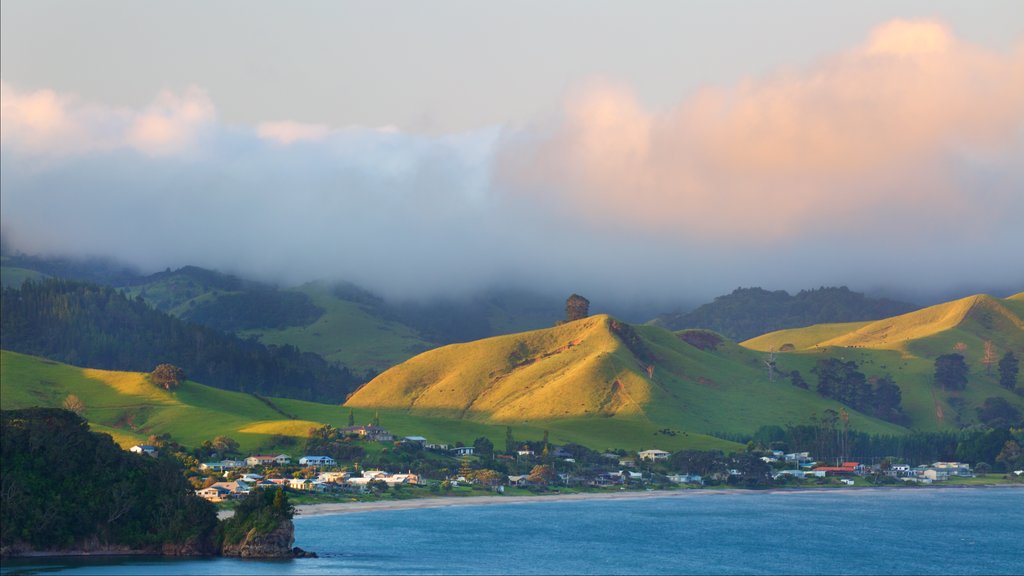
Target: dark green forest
x=66, y=487
x=751, y=312
x=99, y=327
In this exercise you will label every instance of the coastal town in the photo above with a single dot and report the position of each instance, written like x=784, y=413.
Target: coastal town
x=547, y=469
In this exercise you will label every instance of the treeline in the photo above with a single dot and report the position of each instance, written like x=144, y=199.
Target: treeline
x=750, y=312
x=99, y=327
x=65, y=487
x=827, y=441
x=260, y=308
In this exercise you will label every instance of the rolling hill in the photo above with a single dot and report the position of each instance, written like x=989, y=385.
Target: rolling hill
x=598, y=374
x=749, y=312
x=127, y=406
x=906, y=347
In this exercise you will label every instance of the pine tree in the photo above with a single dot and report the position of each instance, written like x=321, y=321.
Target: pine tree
x=1009, y=367
x=510, y=442
x=351, y=417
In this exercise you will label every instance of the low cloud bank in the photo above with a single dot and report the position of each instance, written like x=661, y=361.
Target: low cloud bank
x=895, y=163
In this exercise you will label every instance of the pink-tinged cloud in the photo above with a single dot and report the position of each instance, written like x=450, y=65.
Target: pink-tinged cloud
x=288, y=132
x=46, y=123
x=871, y=132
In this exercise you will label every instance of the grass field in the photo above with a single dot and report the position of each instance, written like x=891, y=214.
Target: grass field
x=348, y=333
x=126, y=406
x=14, y=277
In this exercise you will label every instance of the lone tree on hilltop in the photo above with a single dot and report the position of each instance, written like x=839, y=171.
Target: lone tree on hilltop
x=576, y=308
x=167, y=376
x=951, y=371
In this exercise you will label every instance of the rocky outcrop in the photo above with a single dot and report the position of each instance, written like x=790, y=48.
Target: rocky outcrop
x=274, y=544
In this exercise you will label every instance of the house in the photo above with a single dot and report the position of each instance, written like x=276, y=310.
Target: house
x=234, y=489
x=306, y=485
x=955, y=469
x=847, y=469
x=686, y=479
x=798, y=457
x=415, y=440
x=518, y=480
x=251, y=478
x=268, y=460
x=441, y=447
x=369, y=432
x=900, y=471
x=336, y=477
x=524, y=453
x=792, y=473
x=144, y=449
x=221, y=466
x=627, y=462
x=408, y=478
x=462, y=451
x=214, y=493
x=654, y=455
x=317, y=461
x=630, y=475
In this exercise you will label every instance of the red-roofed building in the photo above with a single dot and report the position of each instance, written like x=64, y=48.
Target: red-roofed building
x=847, y=469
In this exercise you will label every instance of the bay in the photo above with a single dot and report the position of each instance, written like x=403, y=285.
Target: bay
x=872, y=531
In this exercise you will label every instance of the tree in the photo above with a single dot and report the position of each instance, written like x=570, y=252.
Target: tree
x=951, y=372
x=576, y=307
x=376, y=419
x=1011, y=456
x=998, y=413
x=1009, y=367
x=225, y=445
x=351, y=418
x=542, y=475
x=488, y=478
x=74, y=404
x=989, y=357
x=510, y=442
x=797, y=379
x=483, y=447
x=167, y=376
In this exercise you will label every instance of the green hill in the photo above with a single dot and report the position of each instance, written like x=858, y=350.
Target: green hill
x=906, y=346
x=127, y=406
x=748, y=312
x=599, y=374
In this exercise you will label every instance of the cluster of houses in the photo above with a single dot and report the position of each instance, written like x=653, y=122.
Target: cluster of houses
x=332, y=481
x=806, y=467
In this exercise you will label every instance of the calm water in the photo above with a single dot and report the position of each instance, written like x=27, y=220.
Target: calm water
x=925, y=531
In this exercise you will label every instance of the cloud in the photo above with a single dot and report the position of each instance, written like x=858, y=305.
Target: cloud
x=823, y=149
x=45, y=123
x=893, y=164
x=287, y=132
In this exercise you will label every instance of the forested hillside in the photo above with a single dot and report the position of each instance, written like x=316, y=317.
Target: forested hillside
x=99, y=327
x=65, y=487
x=750, y=312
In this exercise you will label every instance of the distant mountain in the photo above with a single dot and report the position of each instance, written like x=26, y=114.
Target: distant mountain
x=750, y=312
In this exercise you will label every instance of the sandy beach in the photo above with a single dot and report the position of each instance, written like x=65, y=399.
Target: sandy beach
x=487, y=500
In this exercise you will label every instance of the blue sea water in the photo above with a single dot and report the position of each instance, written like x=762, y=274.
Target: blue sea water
x=910, y=531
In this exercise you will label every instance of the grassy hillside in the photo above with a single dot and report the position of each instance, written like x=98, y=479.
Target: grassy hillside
x=348, y=332
x=906, y=347
x=598, y=374
x=14, y=277
x=126, y=406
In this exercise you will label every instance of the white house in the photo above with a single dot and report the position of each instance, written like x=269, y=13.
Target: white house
x=317, y=461
x=144, y=449
x=654, y=455
x=221, y=466
x=462, y=451
x=268, y=460
x=686, y=479
x=336, y=477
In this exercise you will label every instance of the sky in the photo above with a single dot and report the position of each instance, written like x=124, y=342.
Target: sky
x=670, y=151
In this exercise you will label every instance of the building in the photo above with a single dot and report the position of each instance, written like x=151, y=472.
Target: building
x=654, y=455
x=415, y=440
x=954, y=469
x=317, y=461
x=222, y=466
x=268, y=460
x=144, y=449
x=686, y=479
x=462, y=451
x=369, y=432
x=847, y=469
x=214, y=493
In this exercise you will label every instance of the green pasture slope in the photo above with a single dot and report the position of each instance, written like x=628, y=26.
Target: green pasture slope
x=125, y=405
x=347, y=332
x=906, y=346
x=14, y=277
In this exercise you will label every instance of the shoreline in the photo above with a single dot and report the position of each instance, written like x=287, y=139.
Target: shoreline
x=335, y=508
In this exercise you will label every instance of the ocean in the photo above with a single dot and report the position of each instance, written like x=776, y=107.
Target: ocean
x=872, y=531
